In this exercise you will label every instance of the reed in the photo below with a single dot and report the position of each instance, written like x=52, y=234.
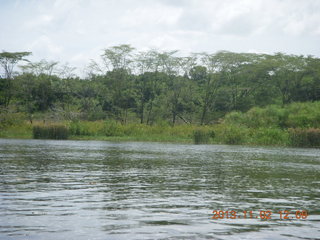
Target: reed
x=305, y=137
x=50, y=131
x=202, y=136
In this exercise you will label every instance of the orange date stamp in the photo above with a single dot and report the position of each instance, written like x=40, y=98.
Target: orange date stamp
x=263, y=214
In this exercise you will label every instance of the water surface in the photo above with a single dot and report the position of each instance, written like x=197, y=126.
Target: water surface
x=103, y=190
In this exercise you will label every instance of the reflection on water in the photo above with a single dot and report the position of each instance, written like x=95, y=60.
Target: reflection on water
x=103, y=190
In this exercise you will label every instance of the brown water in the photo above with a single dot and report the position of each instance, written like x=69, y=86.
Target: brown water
x=103, y=190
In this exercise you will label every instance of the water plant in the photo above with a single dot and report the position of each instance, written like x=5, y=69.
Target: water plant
x=50, y=131
x=202, y=136
x=305, y=137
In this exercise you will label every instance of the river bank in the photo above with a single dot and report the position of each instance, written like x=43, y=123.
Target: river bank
x=211, y=134
x=296, y=124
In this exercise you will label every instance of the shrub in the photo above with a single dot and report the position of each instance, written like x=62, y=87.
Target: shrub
x=270, y=136
x=8, y=119
x=304, y=115
x=231, y=134
x=52, y=131
x=294, y=115
x=235, y=118
x=271, y=116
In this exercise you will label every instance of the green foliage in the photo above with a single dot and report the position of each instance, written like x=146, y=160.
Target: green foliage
x=231, y=134
x=50, y=131
x=86, y=128
x=271, y=116
x=8, y=118
x=113, y=128
x=256, y=94
x=305, y=137
x=294, y=115
x=270, y=136
x=304, y=115
x=78, y=129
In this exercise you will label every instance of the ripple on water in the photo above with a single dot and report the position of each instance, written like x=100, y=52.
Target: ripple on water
x=98, y=190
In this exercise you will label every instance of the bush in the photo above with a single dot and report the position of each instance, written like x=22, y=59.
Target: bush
x=304, y=115
x=8, y=119
x=235, y=118
x=231, y=134
x=271, y=116
x=294, y=115
x=270, y=136
x=52, y=131
x=305, y=137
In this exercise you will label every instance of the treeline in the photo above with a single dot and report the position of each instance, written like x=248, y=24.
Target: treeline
x=156, y=86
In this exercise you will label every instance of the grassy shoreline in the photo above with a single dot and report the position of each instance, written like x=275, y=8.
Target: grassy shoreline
x=187, y=134
x=297, y=125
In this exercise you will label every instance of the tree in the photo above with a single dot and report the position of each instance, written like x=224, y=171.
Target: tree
x=116, y=67
x=287, y=73
x=233, y=68
x=25, y=84
x=118, y=57
x=42, y=67
x=209, y=83
x=8, y=61
x=147, y=83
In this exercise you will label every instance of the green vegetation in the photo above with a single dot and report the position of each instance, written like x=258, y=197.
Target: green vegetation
x=272, y=125
x=51, y=131
x=305, y=137
x=201, y=136
x=224, y=97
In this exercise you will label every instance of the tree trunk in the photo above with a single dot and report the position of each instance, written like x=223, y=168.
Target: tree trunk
x=142, y=113
x=149, y=113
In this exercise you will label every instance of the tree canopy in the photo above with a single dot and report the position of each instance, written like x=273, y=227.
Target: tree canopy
x=152, y=86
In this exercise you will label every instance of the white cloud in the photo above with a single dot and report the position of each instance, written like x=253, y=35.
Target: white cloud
x=78, y=30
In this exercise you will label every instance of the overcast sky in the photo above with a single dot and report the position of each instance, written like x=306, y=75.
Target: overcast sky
x=76, y=31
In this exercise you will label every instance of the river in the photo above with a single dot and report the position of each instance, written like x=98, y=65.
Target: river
x=135, y=190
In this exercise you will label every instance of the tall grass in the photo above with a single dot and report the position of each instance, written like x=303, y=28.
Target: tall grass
x=50, y=131
x=113, y=128
x=305, y=137
x=202, y=136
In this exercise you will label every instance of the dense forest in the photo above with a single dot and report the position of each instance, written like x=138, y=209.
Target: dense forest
x=155, y=87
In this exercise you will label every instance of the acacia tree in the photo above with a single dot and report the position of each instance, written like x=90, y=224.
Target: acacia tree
x=145, y=82
x=232, y=67
x=116, y=67
x=169, y=64
x=208, y=84
x=288, y=72
x=178, y=91
x=8, y=60
x=42, y=67
x=310, y=87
